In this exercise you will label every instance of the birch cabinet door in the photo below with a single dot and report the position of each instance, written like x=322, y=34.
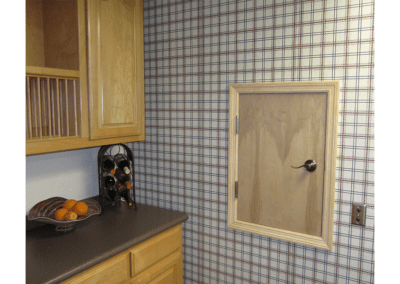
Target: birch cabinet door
x=278, y=130
x=116, y=68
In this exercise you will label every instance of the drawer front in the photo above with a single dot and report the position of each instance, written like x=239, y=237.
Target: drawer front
x=155, y=249
x=167, y=277
x=112, y=271
x=167, y=271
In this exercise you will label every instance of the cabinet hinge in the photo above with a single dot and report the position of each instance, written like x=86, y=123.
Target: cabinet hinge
x=236, y=189
x=237, y=124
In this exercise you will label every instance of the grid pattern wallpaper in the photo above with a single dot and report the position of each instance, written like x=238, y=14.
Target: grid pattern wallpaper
x=193, y=51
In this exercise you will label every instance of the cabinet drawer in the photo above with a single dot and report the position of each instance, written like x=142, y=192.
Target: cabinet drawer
x=167, y=271
x=112, y=271
x=167, y=277
x=151, y=251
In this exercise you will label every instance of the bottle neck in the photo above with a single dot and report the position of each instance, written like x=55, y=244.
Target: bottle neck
x=127, y=170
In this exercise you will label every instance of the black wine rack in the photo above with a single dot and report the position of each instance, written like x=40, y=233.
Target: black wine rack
x=108, y=198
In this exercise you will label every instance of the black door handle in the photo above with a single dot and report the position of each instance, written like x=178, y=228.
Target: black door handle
x=310, y=165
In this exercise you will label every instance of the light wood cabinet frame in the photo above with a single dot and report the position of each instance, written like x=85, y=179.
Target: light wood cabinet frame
x=86, y=79
x=331, y=89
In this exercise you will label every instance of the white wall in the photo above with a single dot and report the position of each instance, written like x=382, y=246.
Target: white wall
x=70, y=174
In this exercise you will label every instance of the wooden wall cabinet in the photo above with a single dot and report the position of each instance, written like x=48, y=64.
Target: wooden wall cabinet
x=157, y=260
x=84, y=74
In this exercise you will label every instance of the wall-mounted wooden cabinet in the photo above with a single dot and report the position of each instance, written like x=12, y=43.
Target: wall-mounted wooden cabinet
x=84, y=74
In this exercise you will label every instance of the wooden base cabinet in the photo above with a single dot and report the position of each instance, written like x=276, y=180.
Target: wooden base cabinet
x=84, y=74
x=154, y=261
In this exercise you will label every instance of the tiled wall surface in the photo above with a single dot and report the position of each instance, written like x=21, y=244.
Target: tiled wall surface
x=193, y=51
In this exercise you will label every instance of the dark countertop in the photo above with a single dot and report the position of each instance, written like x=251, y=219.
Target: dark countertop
x=52, y=257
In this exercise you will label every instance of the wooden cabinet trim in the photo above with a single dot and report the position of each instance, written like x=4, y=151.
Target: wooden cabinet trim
x=64, y=144
x=46, y=71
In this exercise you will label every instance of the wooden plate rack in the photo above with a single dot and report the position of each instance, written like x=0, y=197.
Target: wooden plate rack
x=53, y=107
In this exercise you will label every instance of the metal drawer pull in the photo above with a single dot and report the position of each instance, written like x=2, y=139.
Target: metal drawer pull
x=310, y=165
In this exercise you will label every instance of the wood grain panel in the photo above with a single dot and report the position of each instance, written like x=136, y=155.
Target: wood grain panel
x=61, y=40
x=112, y=271
x=45, y=71
x=168, y=277
x=34, y=33
x=150, y=252
x=167, y=271
x=66, y=143
x=28, y=110
x=52, y=34
x=116, y=68
x=275, y=133
x=278, y=131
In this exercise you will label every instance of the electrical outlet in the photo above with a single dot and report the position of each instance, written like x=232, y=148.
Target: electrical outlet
x=359, y=214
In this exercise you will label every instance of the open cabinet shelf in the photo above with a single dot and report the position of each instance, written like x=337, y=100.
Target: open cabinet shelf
x=52, y=34
x=53, y=95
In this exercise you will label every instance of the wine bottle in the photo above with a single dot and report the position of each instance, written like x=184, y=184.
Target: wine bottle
x=112, y=194
x=126, y=195
x=108, y=164
x=121, y=176
x=109, y=181
x=122, y=163
x=121, y=187
x=110, y=185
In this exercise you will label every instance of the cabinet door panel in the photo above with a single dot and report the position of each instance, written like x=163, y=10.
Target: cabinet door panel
x=279, y=131
x=116, y=79
x=275, y=131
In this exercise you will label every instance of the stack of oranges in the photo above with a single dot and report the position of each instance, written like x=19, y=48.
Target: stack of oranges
x=71, y=210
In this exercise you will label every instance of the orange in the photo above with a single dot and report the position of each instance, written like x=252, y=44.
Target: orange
x=69, y=203
x=60, y=213
x=71, y=215
x=80, y=208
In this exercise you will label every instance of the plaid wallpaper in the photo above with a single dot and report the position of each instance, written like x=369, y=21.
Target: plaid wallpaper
x=193, y=51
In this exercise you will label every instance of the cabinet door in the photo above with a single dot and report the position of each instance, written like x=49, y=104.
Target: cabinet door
x=282, y=160
x=116, y=68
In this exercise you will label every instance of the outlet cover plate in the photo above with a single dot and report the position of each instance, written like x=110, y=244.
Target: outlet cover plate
x=359, y=214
